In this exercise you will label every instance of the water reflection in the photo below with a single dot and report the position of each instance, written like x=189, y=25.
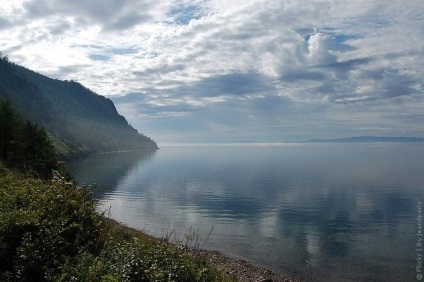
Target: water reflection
x=343, y=211
x=106, y=171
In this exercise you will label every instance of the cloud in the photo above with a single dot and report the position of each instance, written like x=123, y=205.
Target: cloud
x=304, y=68
x=109, y=14
x=236, y=84
x=321, y=48
x=4, y=23
x=301, y=74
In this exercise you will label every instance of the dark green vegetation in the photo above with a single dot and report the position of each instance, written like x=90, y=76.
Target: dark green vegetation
x=50, y=231
x=78, y=121
x=24, y=145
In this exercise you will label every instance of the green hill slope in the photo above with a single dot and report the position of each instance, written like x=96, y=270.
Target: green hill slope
x=79, y=121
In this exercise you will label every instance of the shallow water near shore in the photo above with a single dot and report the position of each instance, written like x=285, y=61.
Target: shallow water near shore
x=333, y=212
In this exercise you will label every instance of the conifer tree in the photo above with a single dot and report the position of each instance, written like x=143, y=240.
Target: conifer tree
x=9, y=130
x=25, y=145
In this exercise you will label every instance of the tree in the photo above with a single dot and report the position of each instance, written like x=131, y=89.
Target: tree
x=4, y=57
x=25, y=145
x=9, y=130
x=46, y=156
x=38, y=150
x=29, y=143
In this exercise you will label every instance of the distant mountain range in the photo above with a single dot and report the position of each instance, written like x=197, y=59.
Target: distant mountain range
x=79, y=121
x=363, y=139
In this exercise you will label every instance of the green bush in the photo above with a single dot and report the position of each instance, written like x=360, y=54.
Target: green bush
x=50, y=231
x=43, y=225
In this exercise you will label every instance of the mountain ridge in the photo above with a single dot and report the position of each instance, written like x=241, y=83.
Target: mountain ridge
x=79, y=121
x=364, y=139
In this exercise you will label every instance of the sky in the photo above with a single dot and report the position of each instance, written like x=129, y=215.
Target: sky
x=187, y=71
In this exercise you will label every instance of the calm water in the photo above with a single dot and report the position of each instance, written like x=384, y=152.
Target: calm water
x=343, y=212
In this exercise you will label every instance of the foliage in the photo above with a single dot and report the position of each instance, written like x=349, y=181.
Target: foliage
x=131, y=257
x=50, y=231
x=9, y=129
x=25, y=145
x=43, y=225
x=78, y=120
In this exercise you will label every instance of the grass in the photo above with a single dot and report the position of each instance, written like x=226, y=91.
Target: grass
x=50, y=231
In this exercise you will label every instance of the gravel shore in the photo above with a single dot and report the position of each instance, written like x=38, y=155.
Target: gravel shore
x=241, y=269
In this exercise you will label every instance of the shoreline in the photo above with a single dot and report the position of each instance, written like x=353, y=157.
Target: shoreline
x=240, y=269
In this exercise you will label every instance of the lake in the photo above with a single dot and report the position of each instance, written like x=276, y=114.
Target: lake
x=333, y=212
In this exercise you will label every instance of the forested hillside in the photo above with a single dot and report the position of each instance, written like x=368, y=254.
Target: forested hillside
x=79, y=121
x=25, y=145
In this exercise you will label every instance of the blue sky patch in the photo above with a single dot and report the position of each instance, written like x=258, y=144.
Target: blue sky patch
x=96, y=57
x=183, y=15
x=342, y=38
x=123, y=51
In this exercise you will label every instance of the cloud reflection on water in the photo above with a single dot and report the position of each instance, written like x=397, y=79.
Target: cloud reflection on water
x=344, y=210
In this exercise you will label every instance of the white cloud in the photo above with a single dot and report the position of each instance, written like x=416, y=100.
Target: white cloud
x=232, y=63
x=321, y=48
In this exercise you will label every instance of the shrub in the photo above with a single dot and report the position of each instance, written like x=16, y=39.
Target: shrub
x=50, y=231
x=43, y=225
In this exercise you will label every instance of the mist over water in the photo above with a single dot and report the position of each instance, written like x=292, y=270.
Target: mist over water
x=338, y=211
